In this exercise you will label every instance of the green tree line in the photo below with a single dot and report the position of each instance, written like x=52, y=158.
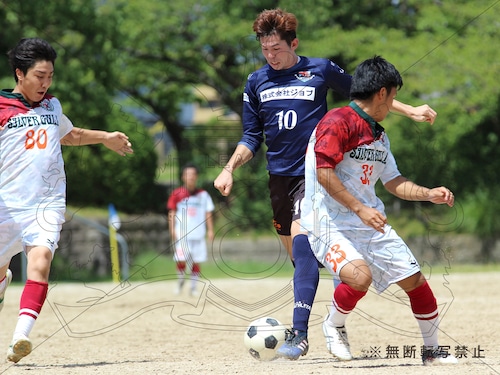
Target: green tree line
x=156, y=53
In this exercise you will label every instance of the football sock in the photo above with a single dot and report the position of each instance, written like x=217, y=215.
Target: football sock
x=181, y=271
x=32, y=299
x=424, y=307
x=305, y=281
x=344, y=301
x=195, y=275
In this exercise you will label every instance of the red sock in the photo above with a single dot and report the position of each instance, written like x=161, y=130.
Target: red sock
x=181, y=267
x=345, y=298
x=196, y=268
x=33, y=297
x=423, y=303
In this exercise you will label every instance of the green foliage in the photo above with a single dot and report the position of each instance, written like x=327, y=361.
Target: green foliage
x=85, y=38
x=97, y=176
x=157, y=53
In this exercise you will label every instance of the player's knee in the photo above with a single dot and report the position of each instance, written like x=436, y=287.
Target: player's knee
x=301, y=248
x=357, y=275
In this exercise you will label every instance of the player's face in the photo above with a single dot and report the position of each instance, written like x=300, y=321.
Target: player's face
x=278, y=54
x=34, y=84
x=385, y=104
x=189, y=177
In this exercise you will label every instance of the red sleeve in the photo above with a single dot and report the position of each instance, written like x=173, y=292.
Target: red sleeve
x=176, y=196
x=332, y=135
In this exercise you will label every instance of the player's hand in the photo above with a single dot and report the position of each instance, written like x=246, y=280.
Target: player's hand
x=119, y=143
x=442, y=195
x=423, y=113
x=224, y=182
x=373, y=218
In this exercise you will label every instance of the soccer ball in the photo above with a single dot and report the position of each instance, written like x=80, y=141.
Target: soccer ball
x=263, y=337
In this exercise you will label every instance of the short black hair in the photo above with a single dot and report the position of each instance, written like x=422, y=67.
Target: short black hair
x=190, y=165
x=28, y=52
x=372, y=75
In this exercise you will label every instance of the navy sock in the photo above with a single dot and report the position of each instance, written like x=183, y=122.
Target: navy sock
x=305, y=281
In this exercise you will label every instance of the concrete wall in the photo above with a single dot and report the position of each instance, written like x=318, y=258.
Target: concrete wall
x=84, y=246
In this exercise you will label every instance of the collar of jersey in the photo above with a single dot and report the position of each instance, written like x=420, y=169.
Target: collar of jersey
x=11, y=95
x=377, y=129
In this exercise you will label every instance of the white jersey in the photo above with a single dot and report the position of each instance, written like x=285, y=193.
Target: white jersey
x=31, y=164
x=32, y=178
x=359, y=168
x=358, y=150
x=191, y=210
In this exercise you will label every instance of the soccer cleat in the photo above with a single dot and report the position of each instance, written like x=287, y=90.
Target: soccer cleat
x=8, y=279
x=432, y=356
x=294, y=346
x=19, y=348
x=336, y=341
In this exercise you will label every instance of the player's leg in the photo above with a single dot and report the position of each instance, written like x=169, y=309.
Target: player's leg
x=391, y=262
x=341, y=258
x=5, y=279
x=305, y=284
x=32, y=300
x=42, y=228
x=425, y=310
x=305, y=279
x=355, y=279
x=180, y=265
x=198, y=252
x=10, y=232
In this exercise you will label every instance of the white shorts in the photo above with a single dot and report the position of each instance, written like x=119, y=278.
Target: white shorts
x=190, y=251
x=29, y=228
x=389, y=258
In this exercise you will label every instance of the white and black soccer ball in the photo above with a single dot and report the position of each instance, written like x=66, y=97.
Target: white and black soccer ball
x=263, y=337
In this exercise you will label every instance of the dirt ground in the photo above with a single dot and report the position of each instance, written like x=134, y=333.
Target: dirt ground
x=143, y=327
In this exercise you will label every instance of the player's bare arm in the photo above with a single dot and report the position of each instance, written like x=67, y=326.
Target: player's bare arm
x=422, y=113
x=224, y=181
x=336, y=189
x=171, y=224
x=210, y=226
x=115, y=141
x=405, y=189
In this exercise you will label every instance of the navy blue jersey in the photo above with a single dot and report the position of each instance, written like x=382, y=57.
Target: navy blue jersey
x=283, y=107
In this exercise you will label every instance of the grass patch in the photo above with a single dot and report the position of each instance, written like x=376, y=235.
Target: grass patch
x=152, y=265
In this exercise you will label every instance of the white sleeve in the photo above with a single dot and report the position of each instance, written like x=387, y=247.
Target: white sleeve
x=65, y=126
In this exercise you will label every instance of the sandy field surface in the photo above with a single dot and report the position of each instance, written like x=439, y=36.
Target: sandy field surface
x=143, y=327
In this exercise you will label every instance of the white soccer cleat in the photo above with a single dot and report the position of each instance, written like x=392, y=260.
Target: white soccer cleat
x=8, y=279
x=432, y=356
x=19, y=348
x=336, y=341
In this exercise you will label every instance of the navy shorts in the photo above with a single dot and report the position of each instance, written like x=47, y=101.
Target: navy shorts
x=286, y=193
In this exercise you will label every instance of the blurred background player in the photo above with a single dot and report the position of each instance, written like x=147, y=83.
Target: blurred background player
x=282, y=103
x=33, y=183
x=348, y=231
x=190, y=220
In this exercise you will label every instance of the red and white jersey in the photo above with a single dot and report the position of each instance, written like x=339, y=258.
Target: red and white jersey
x=31, y=165
x=353, y=144
x=191, y=210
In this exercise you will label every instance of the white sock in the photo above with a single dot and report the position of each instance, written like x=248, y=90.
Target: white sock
x=24, y=326
x=336, y=318
x=194, y=281
x=429, y=331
